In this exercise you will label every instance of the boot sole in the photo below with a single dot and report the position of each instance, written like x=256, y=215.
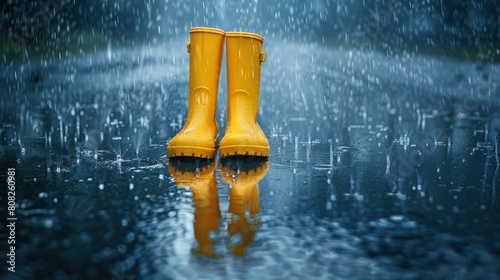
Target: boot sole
x=187, y=151
x=237, y=150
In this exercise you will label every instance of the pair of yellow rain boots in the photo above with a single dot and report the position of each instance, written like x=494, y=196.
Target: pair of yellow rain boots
x=244, y=56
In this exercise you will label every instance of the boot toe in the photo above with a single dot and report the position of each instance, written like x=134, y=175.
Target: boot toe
x=241, y=145
x=191, y=146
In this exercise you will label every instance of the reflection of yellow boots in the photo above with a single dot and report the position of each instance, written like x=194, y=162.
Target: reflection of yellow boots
x=243, y=134
x=203, y=186
x=197, y=137
x=243, y=177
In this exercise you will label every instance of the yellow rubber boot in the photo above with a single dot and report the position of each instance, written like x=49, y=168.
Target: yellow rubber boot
x=243, y=201
x=243, y=134
x=197, y=137
x=203, y=185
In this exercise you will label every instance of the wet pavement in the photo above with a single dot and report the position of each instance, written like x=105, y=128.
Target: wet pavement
x=380, y=168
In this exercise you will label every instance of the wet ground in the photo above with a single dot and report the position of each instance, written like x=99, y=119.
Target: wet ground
x=380, y=168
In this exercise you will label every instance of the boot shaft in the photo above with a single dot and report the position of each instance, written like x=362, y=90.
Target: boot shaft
x=205, y=50
x=244, y=57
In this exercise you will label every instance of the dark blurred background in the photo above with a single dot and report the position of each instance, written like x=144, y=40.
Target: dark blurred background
x=44, y=29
